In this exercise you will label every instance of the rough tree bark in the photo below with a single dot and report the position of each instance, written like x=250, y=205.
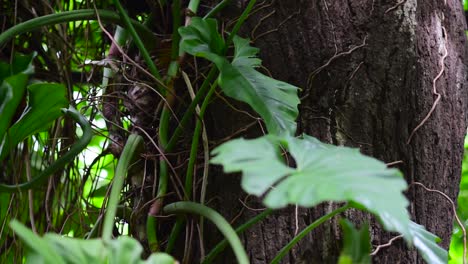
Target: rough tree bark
x=367, y=70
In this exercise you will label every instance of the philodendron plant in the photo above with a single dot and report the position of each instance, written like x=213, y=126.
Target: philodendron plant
x=321, y=172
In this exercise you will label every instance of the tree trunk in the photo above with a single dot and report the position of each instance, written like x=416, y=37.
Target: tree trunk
x=369, y=73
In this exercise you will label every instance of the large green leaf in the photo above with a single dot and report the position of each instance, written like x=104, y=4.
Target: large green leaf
x=53, y=248
x=321, y=172
x=356, y=244
x=45, y=101
x=275, y=101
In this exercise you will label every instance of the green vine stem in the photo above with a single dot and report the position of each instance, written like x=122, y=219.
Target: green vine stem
x=221, y=223
x=193, y=6
x=60, y=162
x=241, y=21
x=68, y=16
x=222, y=245
x=191, y=108
x=120, y=36
x=136, y=38
x=176, y=22
x=191, y=166
x=306, y=231
x=217, y=9
x=134, y=142
x=195, y=140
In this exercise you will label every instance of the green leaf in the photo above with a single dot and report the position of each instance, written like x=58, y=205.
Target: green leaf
x=275, y=101
x=323, y=172
x=127, y=250
x=356, y=244
x=77, y=251
x=202, y=39
x=35, y=243
x=21, y=64
x=11, y=93
x=426, y=243
x=44, y=106
x=13, y=81
x=53, y=248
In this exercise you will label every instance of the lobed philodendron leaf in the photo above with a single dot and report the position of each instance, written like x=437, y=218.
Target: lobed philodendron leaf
x=53, y=248
x=322, y=172
x=275, y=101
x=202, y=39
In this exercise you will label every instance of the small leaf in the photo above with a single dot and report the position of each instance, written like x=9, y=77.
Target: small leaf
x=356, y=244
x=202, y=39
x=44, y=106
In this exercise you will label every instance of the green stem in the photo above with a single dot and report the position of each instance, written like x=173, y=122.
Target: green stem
x=62, y=17
x=191, y=109
x=163, y=134
x=240, y=21
x=151, y=234
x=306, y=231
x=195, y=140
x=176, y=23
x=216, y=9
x=174, y=234
x=151, y=221
x=62, y=161
x=191, y=166
x=120, y=38
x=133, y=143
x=193, y=6
x=136, y=38
x=217, y=219
x=222, y=245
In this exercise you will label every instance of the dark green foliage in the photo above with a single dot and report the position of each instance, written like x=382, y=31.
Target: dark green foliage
x=356, y=244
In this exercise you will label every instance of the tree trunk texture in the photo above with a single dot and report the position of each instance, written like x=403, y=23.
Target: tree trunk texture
x=367, y=71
